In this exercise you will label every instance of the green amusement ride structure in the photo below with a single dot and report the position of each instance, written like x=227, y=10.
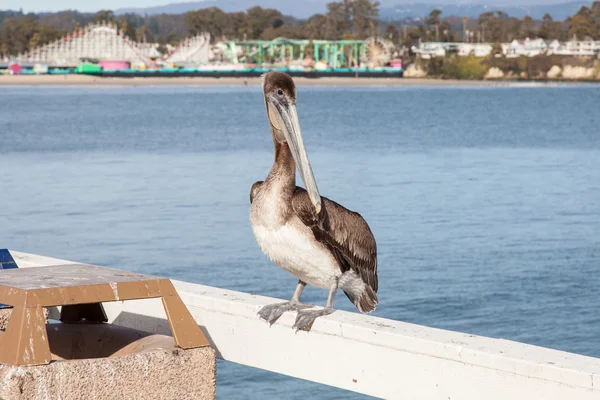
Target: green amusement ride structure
x=334, y=53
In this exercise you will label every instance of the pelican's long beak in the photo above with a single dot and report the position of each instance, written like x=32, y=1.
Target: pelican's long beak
x=286, y=120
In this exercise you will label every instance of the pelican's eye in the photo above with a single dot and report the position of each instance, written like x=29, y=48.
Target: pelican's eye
x=280, y=92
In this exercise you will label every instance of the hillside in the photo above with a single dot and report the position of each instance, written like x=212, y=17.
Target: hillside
x=389, y=9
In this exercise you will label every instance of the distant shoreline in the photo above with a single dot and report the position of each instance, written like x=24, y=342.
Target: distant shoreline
x=88, y=80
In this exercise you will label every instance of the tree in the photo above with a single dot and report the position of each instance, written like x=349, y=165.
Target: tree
x=236, y=25
x=338, y=19
x=551, y=29
x=316, y=27
x=496, y=49
x=586, y=23
x=546, y=27
x=528, y=27
x=127, y=29
x=212, y=20
x=103, y=15
x=130, y=23
x=433, y=20
x=64, y=20
x=493, y=26
x=289, y=32
x=501, y=29
x=580, y=28
x=167, y=27
x=364, y=15
x=18, y=35
x=141, y=34
x=34, y=41
x=258, y=19
x=413, y=35
x=392, y=33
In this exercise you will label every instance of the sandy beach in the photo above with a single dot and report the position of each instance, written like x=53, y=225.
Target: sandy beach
x=87, y=80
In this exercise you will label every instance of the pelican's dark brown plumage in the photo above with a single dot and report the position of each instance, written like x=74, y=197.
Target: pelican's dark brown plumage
x=319, y=241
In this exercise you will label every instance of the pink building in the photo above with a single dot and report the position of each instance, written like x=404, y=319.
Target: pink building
x=115, y=65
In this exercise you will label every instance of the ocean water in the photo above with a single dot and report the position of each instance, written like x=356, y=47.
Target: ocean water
x=485, y=202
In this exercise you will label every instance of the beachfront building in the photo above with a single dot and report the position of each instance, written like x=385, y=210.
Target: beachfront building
x=474, y=49
x=516, y=48
x=430, y=49
x=440, y=49
x=527, y=47
x=552, y=46
x=585, y=48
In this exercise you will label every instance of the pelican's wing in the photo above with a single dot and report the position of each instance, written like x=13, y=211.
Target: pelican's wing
x=344, y=232
x=254, y=189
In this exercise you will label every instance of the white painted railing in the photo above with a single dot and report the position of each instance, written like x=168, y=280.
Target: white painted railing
x=369, y=355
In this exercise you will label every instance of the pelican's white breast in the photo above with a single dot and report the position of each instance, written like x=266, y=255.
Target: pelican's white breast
x=293, y=247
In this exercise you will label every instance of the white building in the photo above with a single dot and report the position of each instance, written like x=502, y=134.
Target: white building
x=579, y=48
x=475, y=49
x=527, y=47
x=430, y=49
x=516, y=48
x=552, y=46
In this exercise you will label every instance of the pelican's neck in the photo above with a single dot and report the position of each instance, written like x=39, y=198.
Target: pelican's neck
x=283, y=169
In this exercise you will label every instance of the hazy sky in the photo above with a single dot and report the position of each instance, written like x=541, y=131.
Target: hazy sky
x=85, y=5
x=88, y=5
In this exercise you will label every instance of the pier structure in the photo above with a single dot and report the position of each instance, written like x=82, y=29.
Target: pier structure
x=361, y=353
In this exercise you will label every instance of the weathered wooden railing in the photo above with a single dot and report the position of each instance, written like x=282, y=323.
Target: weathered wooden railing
x=374, y=356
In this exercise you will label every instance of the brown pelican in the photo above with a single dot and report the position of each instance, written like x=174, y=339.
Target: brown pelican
x=320, y=242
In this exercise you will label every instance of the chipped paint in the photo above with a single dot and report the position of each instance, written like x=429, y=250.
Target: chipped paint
x=26, y=355
x=459, y=350
x=113, y=286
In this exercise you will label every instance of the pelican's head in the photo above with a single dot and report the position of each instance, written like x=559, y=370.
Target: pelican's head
x=280, y=99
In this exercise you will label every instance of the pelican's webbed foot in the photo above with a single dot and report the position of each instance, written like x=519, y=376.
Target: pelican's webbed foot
x=306, y=319
x=272, y=312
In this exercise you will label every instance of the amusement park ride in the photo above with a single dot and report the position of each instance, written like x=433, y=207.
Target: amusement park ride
x=375, y=51
x=103, y=49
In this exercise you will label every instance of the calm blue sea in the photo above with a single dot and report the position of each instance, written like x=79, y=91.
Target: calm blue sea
x=485, y=202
